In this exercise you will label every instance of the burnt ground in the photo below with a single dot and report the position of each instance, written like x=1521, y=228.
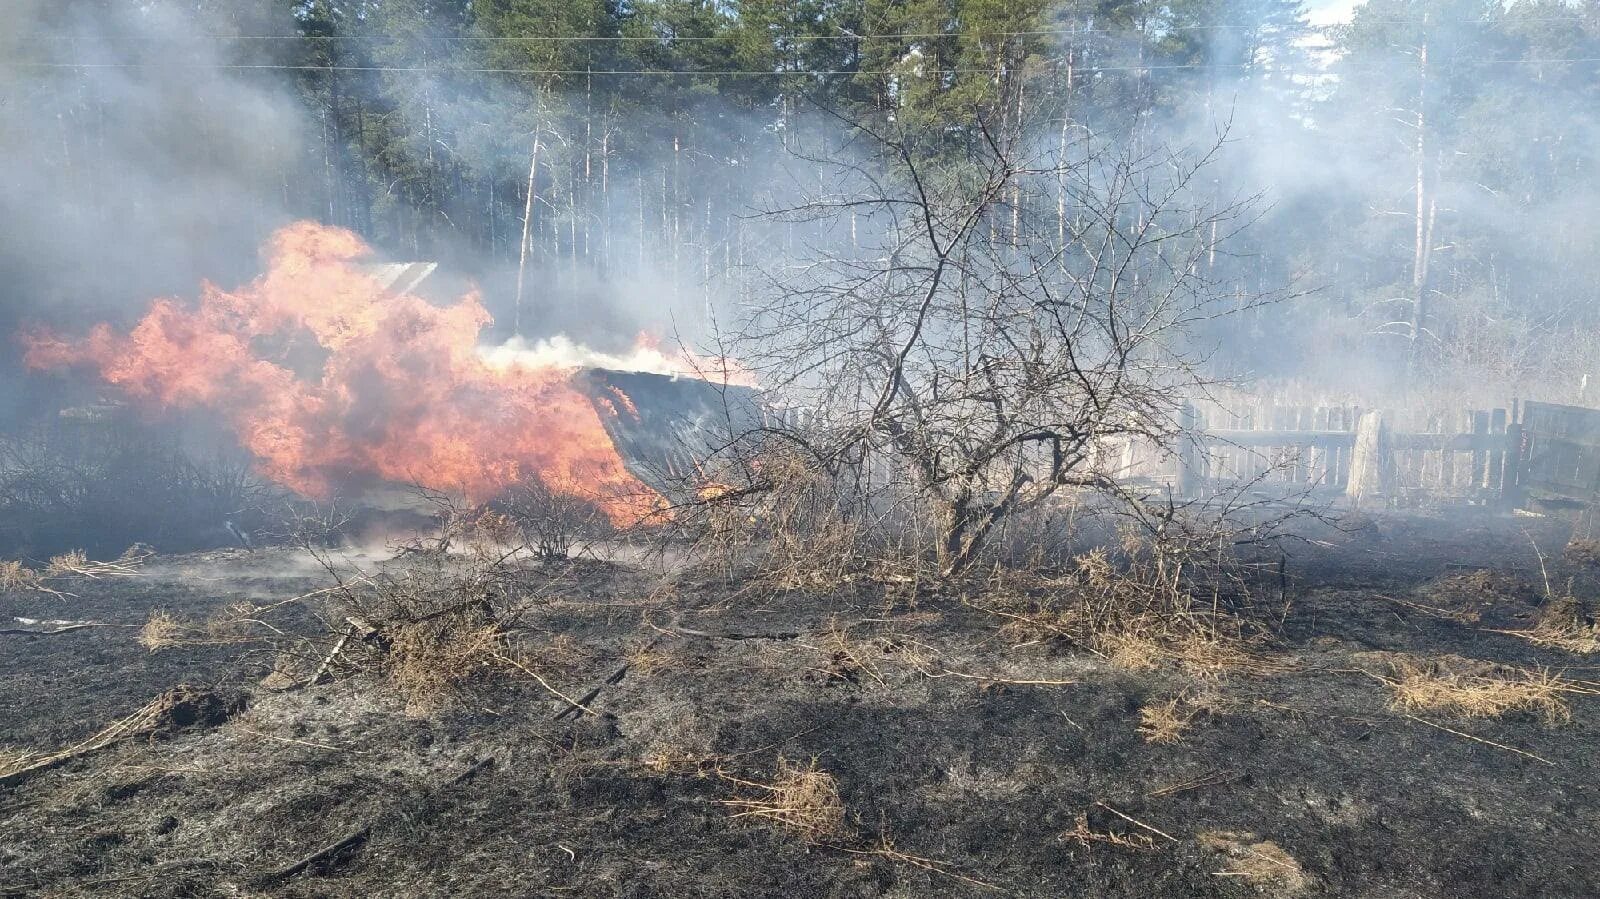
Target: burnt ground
x=1300, y=782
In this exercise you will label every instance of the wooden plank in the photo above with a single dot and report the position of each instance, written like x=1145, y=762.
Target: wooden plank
x=1370, y=465
x=1189, y=473
x=1573, y=424
x=1480, y=453
x=1281, y=438
x=1494, y=479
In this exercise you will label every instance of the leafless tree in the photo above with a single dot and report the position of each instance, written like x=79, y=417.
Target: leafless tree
x=998, y=316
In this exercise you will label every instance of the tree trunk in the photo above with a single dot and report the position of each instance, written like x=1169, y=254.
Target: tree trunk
x=527, y=219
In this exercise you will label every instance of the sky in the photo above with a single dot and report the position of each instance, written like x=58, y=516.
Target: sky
x=1330, y=12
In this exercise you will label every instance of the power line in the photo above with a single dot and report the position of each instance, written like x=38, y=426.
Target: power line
x=676, y=39
x=719, y=73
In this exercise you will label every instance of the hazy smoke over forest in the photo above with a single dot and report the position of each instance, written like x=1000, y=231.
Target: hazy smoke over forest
x=153, y=145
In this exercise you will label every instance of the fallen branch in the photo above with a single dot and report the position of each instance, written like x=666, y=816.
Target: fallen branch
x=148, y=719
x=65, y=627
x=322, y=856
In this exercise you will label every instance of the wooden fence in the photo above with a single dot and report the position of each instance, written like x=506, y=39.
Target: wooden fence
x=1477, y=456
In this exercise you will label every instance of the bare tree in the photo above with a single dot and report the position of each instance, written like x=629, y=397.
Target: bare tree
x=999, y=316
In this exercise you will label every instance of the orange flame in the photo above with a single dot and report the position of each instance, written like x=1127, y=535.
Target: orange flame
x=322, y=376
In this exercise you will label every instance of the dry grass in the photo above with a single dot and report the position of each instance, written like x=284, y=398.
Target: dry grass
x=1199, y=653
x=1562, y=624
x=1262, y=863
x=69, y=567
x=1582, y=552
x=429, y=662
x=803, y=800
x=1165, y=722
x=13, y=759
x=14, y=576
x=1476, y=689
x=848, y=658
x=647, y=657
x=161, y=631
x=1087, y=837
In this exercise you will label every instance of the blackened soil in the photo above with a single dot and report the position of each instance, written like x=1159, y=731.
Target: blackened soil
x=966, y=766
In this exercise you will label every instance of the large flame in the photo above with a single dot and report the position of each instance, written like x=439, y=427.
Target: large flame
x=323, y=375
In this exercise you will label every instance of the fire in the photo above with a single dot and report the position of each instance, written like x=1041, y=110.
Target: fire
x=323, y=376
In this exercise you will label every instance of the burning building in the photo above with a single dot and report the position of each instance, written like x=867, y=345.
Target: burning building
x=332, y=372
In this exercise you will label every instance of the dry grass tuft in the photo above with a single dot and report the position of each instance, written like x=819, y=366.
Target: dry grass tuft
x=1164, y=722
x=647, y=657
x=161, y=631
x=803, y=800
x=848, y=659
x=1259, y=862
x=429, y=662
x=14, y=576
x=1563, y=624
x=1477, y=690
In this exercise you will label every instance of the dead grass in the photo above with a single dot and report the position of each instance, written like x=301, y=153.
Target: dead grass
x=429, y=662
x=14, y=576
x=1470, y=689
x=1562, y=624
x=1164, y=723
x=161, y=631
x=647, y=657
x=803, y=800
x=1582, y=552
x=848, y=658
x=70, y=567
x=14, y=759
x=1262, y=863
x=1196, y=652
x=1087, y=837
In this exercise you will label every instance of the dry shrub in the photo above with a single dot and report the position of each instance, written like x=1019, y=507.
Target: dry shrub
x=548, y=522
x=1164, y=722
x=817, y=529
x=801, y=799
x=1262, y=863
x=812, y=541
x=430, y=661
x=1473, y=689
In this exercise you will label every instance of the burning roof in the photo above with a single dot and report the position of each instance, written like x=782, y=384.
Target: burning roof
x=329, y=369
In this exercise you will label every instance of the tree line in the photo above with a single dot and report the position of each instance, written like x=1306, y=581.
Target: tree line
x=1426, y=170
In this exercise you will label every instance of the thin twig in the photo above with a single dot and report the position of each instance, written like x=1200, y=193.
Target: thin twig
x=1458, y=733
x=1136, y=822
